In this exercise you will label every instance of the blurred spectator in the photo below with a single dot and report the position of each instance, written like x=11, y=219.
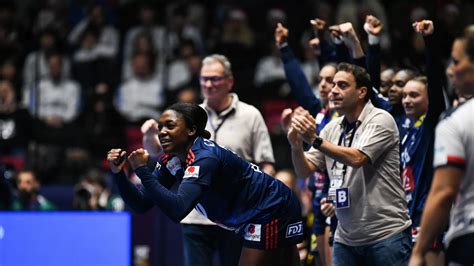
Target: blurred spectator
x=237, y=41
x=142, y=96
x=9, y=34
x=107, y=36
x=15, y=124
x=149, y=27
x=8, y=72
x=269, y=73
x=55, y=103
x=143, y=44
x=104, y=123
x=92, y=193
x=35, y=67
x=28, y=197
x=179, y=29
x=183, y=72
x=94, y=62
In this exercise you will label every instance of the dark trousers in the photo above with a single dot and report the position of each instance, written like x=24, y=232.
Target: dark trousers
x=200, y=242
x=461, y=250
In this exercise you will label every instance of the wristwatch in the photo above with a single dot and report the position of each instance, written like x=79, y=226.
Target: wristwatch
x=317, y=142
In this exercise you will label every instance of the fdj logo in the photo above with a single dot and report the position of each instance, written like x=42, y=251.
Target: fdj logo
x=295, y=229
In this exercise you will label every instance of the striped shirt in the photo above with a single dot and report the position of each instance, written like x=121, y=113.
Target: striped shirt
x=377, y=201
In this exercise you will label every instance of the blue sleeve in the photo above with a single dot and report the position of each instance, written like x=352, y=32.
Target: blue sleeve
x=373, y=64
x=328, y=52
x=342, y=53
x=133, y=196
x=434, y=71
x=175, y=205
x=300, y=88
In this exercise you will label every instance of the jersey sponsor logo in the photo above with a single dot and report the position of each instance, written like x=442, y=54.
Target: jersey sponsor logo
x=294, y=229
x=253, y=232
x=191, y=171
x=209, y=143
x=173, y=165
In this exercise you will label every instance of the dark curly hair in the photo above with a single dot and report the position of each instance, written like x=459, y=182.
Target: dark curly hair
x=194, y=116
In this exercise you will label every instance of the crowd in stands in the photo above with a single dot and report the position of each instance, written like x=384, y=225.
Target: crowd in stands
x=78, y=78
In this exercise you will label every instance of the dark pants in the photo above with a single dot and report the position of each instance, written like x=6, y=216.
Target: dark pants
x=200, y=242
x=461, y=249
x=394, y=250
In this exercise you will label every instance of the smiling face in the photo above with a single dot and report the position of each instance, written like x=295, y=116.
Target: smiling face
x=175, y=137
x=415, y=99
x=215, y=85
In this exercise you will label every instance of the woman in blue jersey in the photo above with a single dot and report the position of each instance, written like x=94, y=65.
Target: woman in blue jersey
x=228, y=190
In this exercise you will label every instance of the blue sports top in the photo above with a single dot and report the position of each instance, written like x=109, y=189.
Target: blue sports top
x=223, y=187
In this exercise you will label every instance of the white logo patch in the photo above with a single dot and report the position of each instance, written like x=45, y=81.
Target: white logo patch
x=295, y=229
x=253, y=232
x=173, y=165
x=191, y=171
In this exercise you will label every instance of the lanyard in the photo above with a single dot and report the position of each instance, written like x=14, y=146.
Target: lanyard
x=347, y=129
x=220, y=124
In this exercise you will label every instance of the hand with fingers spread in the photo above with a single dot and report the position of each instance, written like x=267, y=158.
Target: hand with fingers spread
x=424, y=27
x=373, y=25
x=281, y=34
x=116, y=159
x=327, y=207
x=138, y=158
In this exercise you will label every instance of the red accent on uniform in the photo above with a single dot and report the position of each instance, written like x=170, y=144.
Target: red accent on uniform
x=456, y=160
x=165, y=158
x=267, y=233
x=276, y=233
x=191, y=169
x=190, y=157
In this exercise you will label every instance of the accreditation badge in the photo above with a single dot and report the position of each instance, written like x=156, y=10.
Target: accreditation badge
x=342, y=198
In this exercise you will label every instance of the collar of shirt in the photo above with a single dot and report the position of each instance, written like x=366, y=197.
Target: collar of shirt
x=365, y=112
x=225, y=112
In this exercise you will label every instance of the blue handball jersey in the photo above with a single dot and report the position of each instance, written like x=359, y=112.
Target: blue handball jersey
x=236, y=192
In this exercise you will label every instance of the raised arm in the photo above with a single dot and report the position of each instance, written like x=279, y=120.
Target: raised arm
x=434, y=70
x=373, y=26
x=296, y=78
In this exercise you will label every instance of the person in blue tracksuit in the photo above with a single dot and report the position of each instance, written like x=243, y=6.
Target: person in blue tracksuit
x=230, y=191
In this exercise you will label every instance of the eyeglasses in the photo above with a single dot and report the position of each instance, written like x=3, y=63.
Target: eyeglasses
x=212, y=79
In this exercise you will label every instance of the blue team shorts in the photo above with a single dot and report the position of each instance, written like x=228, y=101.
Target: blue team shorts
x=283, y=229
